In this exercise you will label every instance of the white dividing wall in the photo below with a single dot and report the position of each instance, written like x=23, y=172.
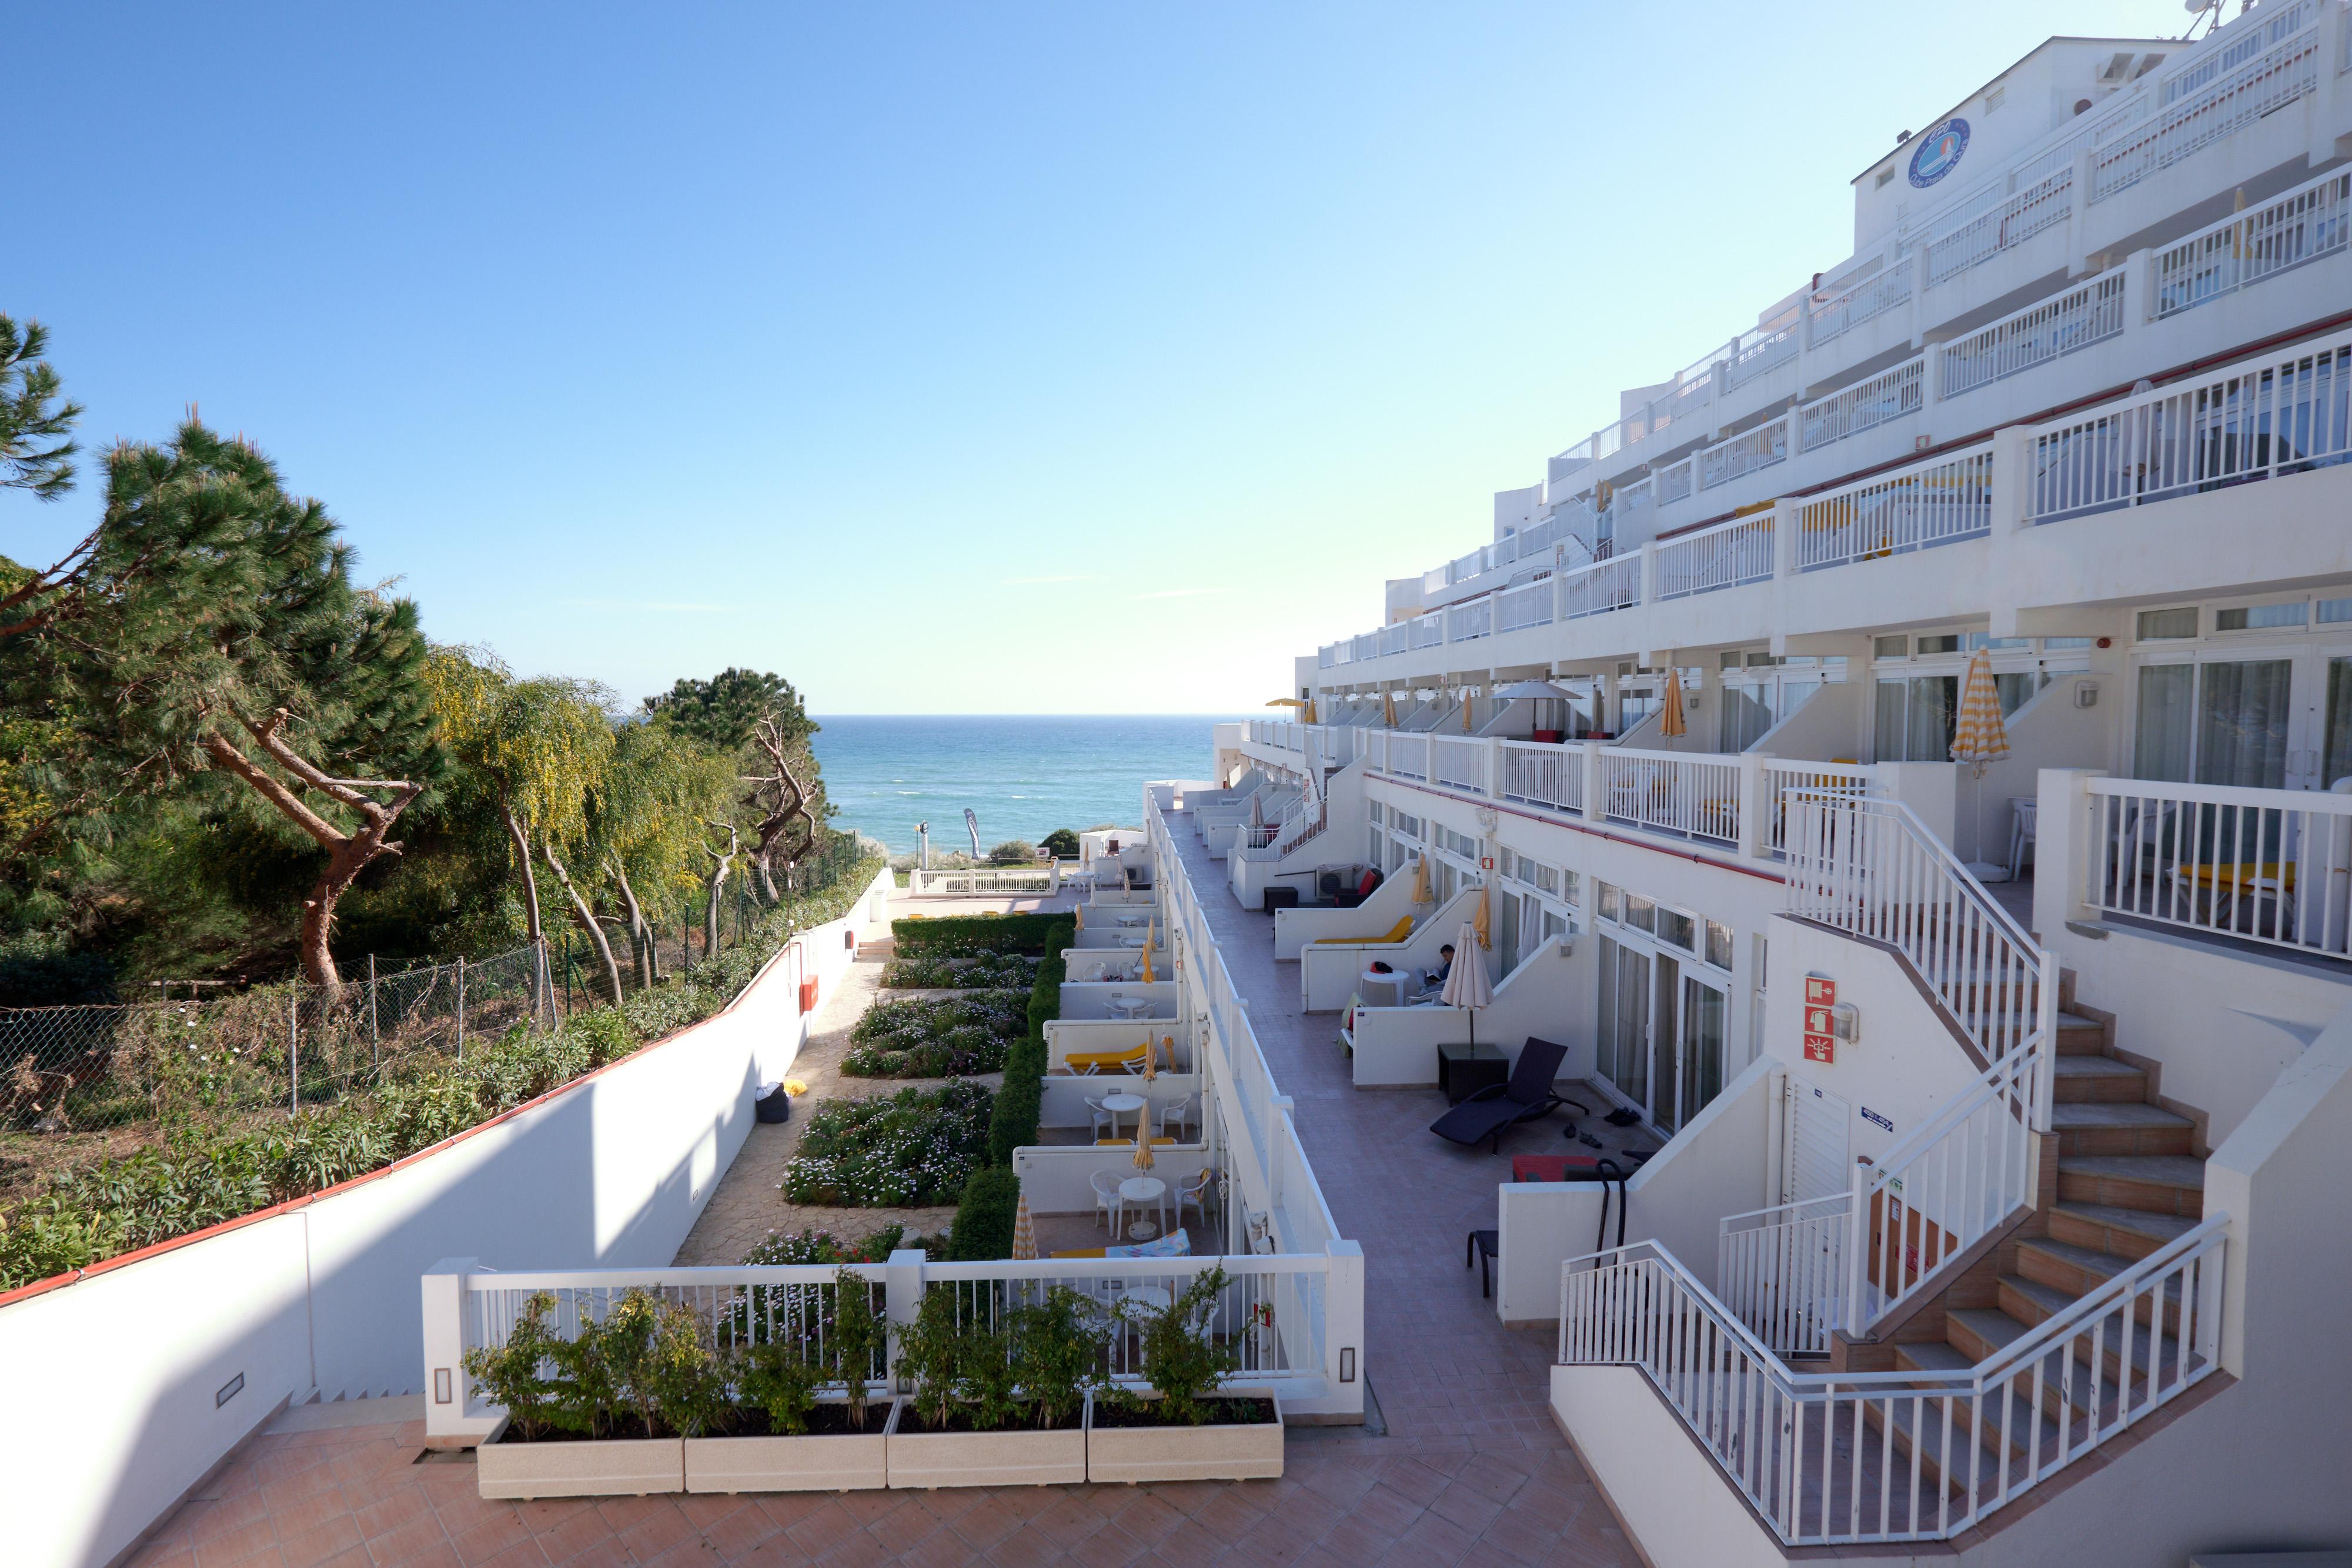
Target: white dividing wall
x=1389, y=902
x=1328, y=971
x=1399, y=1045
x=1719, y=1165
x=320, y=1299
x=1663, y=1486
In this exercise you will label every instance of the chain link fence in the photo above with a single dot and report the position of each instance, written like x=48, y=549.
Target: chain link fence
x=288, y=1046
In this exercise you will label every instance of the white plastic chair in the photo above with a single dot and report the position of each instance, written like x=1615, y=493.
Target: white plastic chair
x=2021, y=831
x=1107, y=1202
x=1195, y=1193
x=1106, y=1124
x=1182, y=1115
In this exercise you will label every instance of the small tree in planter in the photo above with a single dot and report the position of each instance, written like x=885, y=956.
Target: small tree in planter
x=663, y=1369
x=1178, y=1435
x=969, y=1385
x=513, y=1374
x=859, y=1338
x=1183, y=1360
x=1058, y=1348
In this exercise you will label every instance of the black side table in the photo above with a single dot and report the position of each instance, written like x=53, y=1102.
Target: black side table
x=1464, y=1070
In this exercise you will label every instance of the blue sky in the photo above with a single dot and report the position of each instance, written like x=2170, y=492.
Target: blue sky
x=946, y=358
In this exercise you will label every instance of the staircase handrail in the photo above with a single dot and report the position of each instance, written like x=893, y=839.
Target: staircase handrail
x=1983, y=970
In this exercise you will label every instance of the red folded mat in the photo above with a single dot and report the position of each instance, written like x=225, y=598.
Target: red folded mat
x=1550, y=1167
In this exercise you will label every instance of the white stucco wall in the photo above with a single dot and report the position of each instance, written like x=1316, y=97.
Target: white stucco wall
x=319, y=1298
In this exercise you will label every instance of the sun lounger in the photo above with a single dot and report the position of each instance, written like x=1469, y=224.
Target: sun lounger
x=1527, y=1097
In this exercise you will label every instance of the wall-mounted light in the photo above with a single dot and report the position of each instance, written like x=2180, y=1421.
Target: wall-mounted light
x=1845, y=1023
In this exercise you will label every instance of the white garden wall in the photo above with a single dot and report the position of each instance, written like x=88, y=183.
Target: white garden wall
x=115, y=1377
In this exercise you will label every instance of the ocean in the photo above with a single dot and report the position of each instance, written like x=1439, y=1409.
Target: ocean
x=1023, y=775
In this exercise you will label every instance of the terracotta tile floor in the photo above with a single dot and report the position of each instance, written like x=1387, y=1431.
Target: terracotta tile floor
x=1471, y=1469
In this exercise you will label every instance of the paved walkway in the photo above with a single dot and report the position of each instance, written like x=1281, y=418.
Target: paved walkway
x=1470, y=1469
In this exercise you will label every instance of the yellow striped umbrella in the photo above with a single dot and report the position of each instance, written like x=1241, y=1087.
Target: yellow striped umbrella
x=1670, y=722
x=1480, y=922
x=1979, y=736
x=1024, y=1233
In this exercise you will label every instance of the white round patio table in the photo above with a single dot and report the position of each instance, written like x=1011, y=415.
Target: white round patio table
x=1137, y=1191
x=1120, y=1105
x=1130, y=1006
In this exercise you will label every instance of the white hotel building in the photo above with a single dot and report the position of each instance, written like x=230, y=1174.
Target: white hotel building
x=2080, y=399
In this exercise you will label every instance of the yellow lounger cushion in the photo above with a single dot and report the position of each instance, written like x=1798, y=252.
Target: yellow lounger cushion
x=1078, y=1252
x=1127, y=1143
x=1397, y=933
x=1103, y=1057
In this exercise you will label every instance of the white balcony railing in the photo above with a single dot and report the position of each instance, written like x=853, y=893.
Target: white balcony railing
x=2223, y=100
x=1674, y=481
x=1813, y=779
x=2268, y=867
x=1928, y=503
x=1612, y=584
x=1408, y=756
x=2308, y=222
x=1859, y=302
x=2003, y=222
x=1890, y=395
x=1428, y=630
x=1529, y=605
x=985, y=881
x=2289, y=411
x=1459, y=763
x=1783, y=1271
x=1829, y=1459
x=1469, y=621
x=1744, y=453
x=1692, y=795
x=2088, y=313
x=1759, y=352
x=1871, y=869
x=1539, y=773
x=1725, y=556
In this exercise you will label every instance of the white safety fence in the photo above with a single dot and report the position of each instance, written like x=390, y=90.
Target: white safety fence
x=1831, y=1459
x=2268, y=867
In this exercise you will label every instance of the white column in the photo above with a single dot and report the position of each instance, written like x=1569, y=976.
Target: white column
x=447, y=1387
x=1343, y=1324
x=2066, y=845
x=1754, y=805
x=1595, y=808
x=2012, y=489
x=902, y=1292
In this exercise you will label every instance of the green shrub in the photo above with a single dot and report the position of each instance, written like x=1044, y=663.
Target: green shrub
x=984, y=1217
x=199, y=1177
x=946, y=971
x=912, y=1149
x=1183, y=1359
x=965, y=935
x=1063, y=843
x=1013, y=852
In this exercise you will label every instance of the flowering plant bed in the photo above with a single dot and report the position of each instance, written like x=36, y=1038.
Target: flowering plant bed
x=983, y=968
x=947, y=1037
x=913, y=1149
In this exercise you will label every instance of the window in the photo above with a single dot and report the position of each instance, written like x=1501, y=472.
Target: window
x=2155, y=625
x=2332, y=610
x=1718, y=944
x=1611, y=901
x=1764, y=661
x=1981, y=639
x=1942, y=643
x=1571, y=889
x=2052, y=644
x=1916, y=716
x=1677, y=928
x=1729, y=662
x=2261, y=617
x=1640, y=914
x=1510, y=862
x=2221, y=722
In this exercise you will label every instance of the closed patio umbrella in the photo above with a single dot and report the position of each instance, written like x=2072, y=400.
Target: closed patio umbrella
x=1307, y=715
x=1388, y=709
x=1670, y=721
x=1482, y=922
x=1979, y=737
x=1024, y=1233
x=1143, y=1139
x=1466, y=986
x=1420, y=893
x=1150, y=926
x=1465, y=711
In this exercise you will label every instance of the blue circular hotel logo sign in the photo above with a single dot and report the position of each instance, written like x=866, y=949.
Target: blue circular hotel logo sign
x=1939, y=153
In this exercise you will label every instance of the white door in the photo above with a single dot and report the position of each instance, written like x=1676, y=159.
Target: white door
x=1818, y=1159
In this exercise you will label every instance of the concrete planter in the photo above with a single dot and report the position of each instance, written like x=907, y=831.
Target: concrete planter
x=609, y=1467
x=833, y=1461
x=1219, y=1451
x=1003, y=1459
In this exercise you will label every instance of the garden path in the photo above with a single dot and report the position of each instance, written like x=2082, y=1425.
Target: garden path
x=748, y=1208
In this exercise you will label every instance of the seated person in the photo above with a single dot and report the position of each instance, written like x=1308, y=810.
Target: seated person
x=1434, y=979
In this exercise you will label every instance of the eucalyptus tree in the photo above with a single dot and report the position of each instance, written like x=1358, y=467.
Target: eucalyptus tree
x=211, y=626
x=534, y=751
x=646, y=817
x=760, y=719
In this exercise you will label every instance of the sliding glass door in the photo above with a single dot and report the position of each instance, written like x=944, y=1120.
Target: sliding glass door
x=2233, y=721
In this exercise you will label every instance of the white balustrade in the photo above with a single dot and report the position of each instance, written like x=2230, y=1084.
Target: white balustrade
x=1613, y=584
x=1428, y=630
x=1816, y=779
x=1829, y=1459
x=1396, y=639
x=2226, y=90
x=1927, y=504
x=1758, y=351
x=2270, y=866
x=2089, y=312
x=2306, y=224
x=1859, y=302
x=1468, y=622
x=1674, y=481
x=1690, y=794
x=2007, y=221
x=2283, y=413
x=1783, y=1271
x=1889, y=395
x=1744, y=453
x=1530, y=604
x=1459, y=763
x=1409, y=755
x=1539, y=773
x=1725, y=556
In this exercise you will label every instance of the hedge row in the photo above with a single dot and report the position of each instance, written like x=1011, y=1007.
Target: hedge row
x=962, y=935
x=983, y=1221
